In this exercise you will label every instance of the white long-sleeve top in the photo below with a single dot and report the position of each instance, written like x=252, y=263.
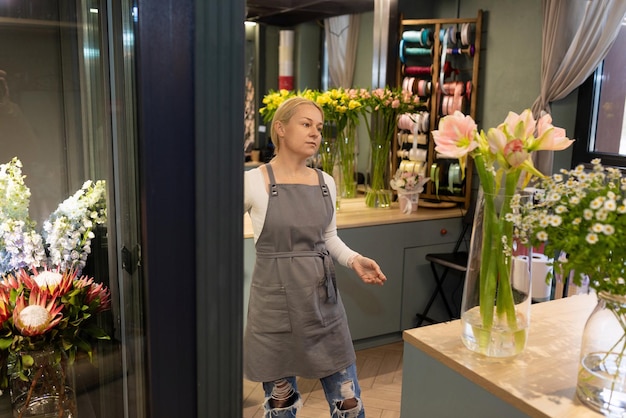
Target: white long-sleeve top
x=256, y=200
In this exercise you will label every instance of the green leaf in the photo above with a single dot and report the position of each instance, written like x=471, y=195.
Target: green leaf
x=5, y=343
x=27, y=360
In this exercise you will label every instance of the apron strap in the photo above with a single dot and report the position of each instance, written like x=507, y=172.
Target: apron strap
x=323, y=185
x=270, y=173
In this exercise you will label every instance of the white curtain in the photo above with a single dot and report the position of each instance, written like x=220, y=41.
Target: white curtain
x=342, y=33
x=577, y=35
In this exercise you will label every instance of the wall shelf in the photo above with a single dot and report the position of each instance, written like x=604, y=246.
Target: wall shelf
x=438, y=59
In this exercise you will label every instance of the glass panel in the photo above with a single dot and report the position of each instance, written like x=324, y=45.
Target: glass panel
x=67, y=111
x=610, y=132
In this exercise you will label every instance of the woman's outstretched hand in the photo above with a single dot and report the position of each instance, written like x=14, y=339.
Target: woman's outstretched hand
x=368, y=270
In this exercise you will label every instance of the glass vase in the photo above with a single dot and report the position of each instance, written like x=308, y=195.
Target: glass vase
x=381, y=131
x=42, y=385
x=347, y=157
x=601, y=381
x=495, y=309
x=377, y=195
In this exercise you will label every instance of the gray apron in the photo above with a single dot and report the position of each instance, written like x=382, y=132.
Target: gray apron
x=297, y=324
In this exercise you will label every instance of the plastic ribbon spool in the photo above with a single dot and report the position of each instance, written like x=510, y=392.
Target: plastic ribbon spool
x=422, y=37
x=450, y=34
x=454, y=177
x=454, y=97
x=414, y=122
x=417, y=70
x=421, y=87
x=434, y=176
x=412, y=51
x=470, y=50
x=467, y=34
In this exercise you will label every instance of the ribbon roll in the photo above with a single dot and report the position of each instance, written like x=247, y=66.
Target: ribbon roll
x=458, y=103
x=449, y=34
x=434, y=175
x=405, y=121
x=402, y=153
x=407, y=165
x=405, y=82
x=454, y=176
x=427, y=37
x=423, y=88
x=418, y=70
x=470, y=50
x=412, y=36
x=445, y=105
x=452, y=33
x=466, y=34
x=425, y=121
x=417, y=154
x=456, y=88
x=400, y=138
x=410, y=84
x=422, y=36
x=420, y=52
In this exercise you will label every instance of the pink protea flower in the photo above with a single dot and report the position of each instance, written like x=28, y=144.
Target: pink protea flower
x=38, y=316
x=5, y=307
x=10, y=282
x=96, y=292
x=55, y=283
x=51, y=282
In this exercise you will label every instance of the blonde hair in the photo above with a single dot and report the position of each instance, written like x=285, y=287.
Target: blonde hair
x=285, y=112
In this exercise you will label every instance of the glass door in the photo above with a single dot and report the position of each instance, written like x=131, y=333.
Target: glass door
x=67, y=112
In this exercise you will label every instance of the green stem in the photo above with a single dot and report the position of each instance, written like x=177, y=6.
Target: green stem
x=347, y=158
x=620, y=315
x=495, y=266
x=487, y=278
x=505, y=304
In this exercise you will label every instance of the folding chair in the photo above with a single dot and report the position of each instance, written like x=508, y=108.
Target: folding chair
x=455, y=261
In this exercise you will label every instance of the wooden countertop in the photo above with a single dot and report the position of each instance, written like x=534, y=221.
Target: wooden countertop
x=541, y=381
x=353, y=213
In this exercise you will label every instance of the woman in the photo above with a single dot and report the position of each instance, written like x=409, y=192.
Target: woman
x=297, y=325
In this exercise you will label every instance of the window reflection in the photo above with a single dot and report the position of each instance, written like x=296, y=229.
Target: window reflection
x=610, y=134
x=60, y=65
x=601, y=119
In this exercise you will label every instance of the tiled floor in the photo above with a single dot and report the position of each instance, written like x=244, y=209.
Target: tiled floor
x=380, y=376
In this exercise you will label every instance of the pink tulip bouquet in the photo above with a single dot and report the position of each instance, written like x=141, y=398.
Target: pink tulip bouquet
x=503, y=160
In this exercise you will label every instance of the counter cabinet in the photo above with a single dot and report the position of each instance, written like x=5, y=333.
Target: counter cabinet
x=442, y=378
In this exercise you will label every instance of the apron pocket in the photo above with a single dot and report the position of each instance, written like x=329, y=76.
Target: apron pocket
x=329, y=310
x=268, y=311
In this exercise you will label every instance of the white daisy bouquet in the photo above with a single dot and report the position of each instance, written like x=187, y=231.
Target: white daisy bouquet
x=579, y=216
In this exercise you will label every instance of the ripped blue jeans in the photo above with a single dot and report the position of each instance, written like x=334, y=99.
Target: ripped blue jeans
x=338, y=387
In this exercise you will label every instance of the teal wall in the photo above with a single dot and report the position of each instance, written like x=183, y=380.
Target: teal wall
x=510, y=77
x=510, y=74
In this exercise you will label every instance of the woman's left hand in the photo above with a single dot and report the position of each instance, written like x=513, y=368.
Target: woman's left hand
x=368, y=270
